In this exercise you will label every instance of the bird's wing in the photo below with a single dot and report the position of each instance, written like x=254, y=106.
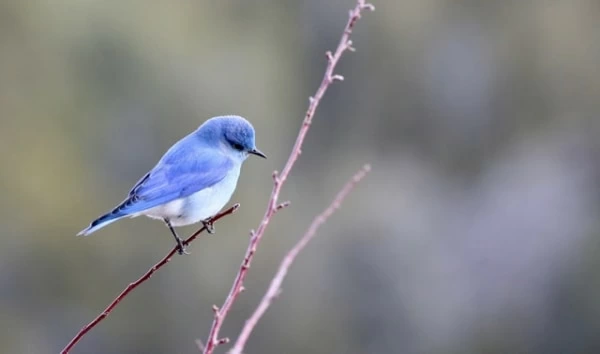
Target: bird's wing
x=177, y=175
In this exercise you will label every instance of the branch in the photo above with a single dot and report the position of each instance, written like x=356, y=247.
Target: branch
x=136, y=283
x=275, y=288
x=279, y=178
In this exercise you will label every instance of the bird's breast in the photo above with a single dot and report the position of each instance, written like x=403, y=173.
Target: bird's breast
x=204, y=203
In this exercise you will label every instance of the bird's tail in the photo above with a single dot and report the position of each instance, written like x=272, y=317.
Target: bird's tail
x=101, y=222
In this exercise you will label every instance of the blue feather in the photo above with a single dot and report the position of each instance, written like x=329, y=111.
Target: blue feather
x=184, y=170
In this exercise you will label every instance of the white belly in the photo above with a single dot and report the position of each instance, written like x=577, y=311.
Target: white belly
x=198, y=206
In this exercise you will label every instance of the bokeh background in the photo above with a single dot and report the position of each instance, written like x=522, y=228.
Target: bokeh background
x=476, y=232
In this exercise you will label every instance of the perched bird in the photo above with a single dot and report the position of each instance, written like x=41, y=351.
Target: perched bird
x=193, y=180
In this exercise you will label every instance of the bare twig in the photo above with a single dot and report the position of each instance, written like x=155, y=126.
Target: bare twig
x=280, y=178
x=200, y=345
x=275, y=287
x=142, y=279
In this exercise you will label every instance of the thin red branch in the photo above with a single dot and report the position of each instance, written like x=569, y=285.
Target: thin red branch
x=275, y=287
x=136, y=283
x=280, y=178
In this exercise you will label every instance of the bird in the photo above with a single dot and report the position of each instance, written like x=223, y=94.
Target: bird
x=192, y=181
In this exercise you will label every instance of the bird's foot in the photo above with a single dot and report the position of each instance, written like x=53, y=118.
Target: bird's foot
x=208, y=224
x=181, y=249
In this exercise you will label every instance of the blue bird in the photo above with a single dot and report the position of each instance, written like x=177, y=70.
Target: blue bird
x=193, y=180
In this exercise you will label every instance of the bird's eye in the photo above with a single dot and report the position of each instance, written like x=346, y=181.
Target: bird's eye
x=237, y=146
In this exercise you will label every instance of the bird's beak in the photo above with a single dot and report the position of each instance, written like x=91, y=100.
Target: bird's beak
x=257, y=153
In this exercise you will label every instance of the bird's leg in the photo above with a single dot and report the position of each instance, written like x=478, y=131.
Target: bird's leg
x=180, y=245
x=208, y=224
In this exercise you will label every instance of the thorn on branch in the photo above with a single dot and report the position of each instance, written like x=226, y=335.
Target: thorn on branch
x=311, y=100
x=242, y=288
x=350, y=47
x=366, y=6
x=215, y=309
x=200, y=345
x=222, y=341
x=351, y=14
x=329, y=56
x=283, y=205
x=336, y=78
x=276, y=177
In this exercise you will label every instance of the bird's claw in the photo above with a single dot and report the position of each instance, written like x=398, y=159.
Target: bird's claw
x=208, y=224
x=181, y=249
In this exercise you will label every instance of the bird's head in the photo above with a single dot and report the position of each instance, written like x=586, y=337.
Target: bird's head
x=233, y=134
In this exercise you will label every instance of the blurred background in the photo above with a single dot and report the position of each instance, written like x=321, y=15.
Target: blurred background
x=476, y=232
